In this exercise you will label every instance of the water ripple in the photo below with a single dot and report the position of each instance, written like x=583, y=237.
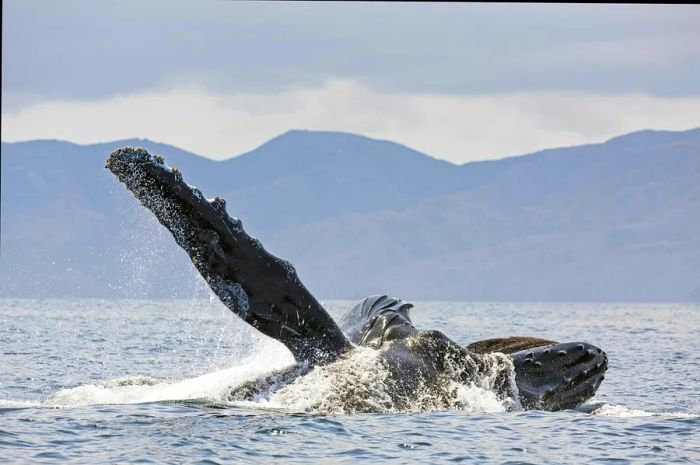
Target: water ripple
x=144, y=382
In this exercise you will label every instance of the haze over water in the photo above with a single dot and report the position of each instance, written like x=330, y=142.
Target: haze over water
x=104, y=381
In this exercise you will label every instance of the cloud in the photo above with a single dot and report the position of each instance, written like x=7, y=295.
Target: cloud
x=455, y=128
x=87, y=49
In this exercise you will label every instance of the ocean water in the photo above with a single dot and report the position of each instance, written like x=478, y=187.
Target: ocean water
x=133, y=381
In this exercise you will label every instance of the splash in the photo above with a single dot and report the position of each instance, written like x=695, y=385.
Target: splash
x=360, y=382
x=9, y=404
x=212, y=387
x=357, y=382
x=493, y=390
x=619, y=411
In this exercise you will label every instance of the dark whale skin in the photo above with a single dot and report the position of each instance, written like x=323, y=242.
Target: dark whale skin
x=559, y=376
x=262, y=289
x=549, y=375
x=266, y=292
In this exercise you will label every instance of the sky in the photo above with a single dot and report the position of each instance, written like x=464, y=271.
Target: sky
x=461, y=82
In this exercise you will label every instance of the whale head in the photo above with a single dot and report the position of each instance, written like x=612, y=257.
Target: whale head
x=558, y=376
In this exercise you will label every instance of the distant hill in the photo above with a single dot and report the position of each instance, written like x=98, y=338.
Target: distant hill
x=617, y=221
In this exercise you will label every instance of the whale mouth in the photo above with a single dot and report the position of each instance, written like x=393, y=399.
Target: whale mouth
x=559, y=376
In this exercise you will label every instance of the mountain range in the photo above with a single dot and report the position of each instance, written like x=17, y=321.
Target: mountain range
x=615, y=221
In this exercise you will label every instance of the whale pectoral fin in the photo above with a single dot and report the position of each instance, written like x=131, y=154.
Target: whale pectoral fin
x=262, y=289
x=558, y=376
x=507, y=345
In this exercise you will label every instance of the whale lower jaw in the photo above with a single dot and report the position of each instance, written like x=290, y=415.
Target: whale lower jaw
x=558, y=376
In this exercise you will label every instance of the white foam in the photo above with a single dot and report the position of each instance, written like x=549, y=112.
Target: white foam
x=357, y=382
x=213, y=386
x=618, y=411
x=354, y=383
x=360, y=382
x=18, y=403
x=475, y=399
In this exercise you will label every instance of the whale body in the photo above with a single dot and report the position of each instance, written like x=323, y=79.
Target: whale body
x=266, y=293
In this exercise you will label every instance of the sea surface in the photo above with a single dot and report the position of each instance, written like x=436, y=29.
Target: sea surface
x=135, y=381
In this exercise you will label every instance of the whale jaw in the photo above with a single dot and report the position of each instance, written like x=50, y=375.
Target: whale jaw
x=558, y=376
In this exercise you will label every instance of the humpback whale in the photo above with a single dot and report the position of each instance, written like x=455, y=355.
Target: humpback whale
x=265, y=292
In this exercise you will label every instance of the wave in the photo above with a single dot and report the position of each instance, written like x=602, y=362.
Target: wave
x=604, y=409
x=12, y=404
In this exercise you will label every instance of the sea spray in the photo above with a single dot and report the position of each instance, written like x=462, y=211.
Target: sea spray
x=214, y=386
x=358, y=382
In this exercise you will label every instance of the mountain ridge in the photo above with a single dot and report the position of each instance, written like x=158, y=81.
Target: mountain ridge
x=357, y=215
x=640, y=135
